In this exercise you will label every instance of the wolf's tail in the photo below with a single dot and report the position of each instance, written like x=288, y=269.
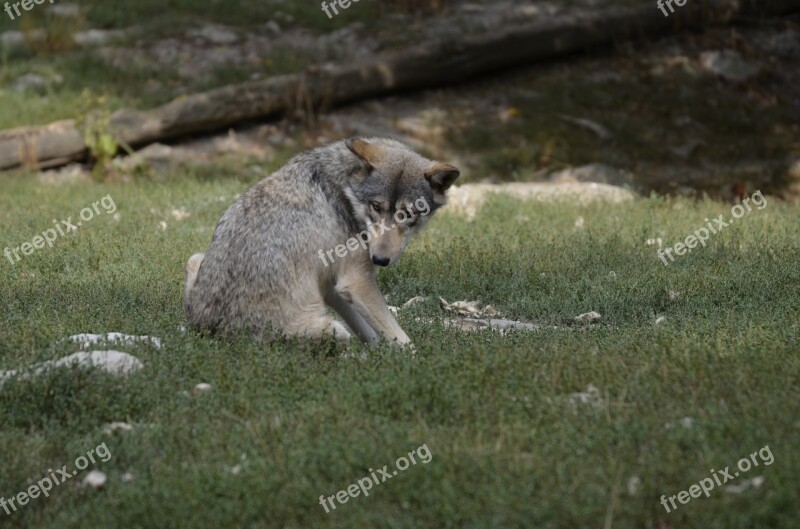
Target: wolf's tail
x=192, y=267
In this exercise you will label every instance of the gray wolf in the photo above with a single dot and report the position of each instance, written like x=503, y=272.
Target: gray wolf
x=263, y=273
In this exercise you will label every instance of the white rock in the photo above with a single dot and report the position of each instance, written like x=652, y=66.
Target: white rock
x=95, y=479
x=590, y=397
x=86, y=339
x=180, y=214
x=494, y=324
x=114, y=427
x=685, y=422
x=11, y=39
x=98, y=37
x=273, y=27
x=468, y=199
x=65, y=10
x=754, y=483
x=597, y=173
x=589, y=317
x=30, y=82
x=660, y=320
x=468, y=308
x=114, y=362
x=634, y=484
x=215, y=34
x=729, y=65
x=201, y=388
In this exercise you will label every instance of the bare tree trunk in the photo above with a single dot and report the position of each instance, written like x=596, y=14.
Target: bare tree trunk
x=429, y=65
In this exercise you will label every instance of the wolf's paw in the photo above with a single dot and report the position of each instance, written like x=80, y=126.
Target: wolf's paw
x=193, y=264
x=405, y=346
x=339, y=331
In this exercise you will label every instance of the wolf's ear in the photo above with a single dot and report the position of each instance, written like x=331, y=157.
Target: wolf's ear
x=441, y=176
x=368, y=152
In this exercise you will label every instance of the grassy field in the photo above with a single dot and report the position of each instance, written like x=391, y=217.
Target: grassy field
x=288, y=423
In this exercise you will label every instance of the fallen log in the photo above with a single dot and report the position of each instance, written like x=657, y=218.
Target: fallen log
x=429, y=65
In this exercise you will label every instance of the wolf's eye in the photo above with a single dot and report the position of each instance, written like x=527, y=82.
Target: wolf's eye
x=376, y=206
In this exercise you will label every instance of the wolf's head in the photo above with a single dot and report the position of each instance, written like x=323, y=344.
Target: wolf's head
x=394, y=193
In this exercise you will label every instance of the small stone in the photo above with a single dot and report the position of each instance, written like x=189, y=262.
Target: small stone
x=685, y=422
x=590, y=396
x=590, y=317
x=754, y=483
x=729, y=65
x=65, y=10
x=660, y=320
x=98, y=37
x=114, y=427
x=273, y=27
x=95, y=479
x=215, y=34
x=180, y=214
x=12, y=39
x=201, y=389
x=30, y=82
x=634, y=484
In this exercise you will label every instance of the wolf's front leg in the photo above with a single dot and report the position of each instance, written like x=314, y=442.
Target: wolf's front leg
x=359, y=289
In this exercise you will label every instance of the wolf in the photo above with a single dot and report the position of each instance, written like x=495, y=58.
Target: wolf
x=263, y=272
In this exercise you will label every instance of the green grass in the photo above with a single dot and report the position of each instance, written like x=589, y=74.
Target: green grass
x=302, y=421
